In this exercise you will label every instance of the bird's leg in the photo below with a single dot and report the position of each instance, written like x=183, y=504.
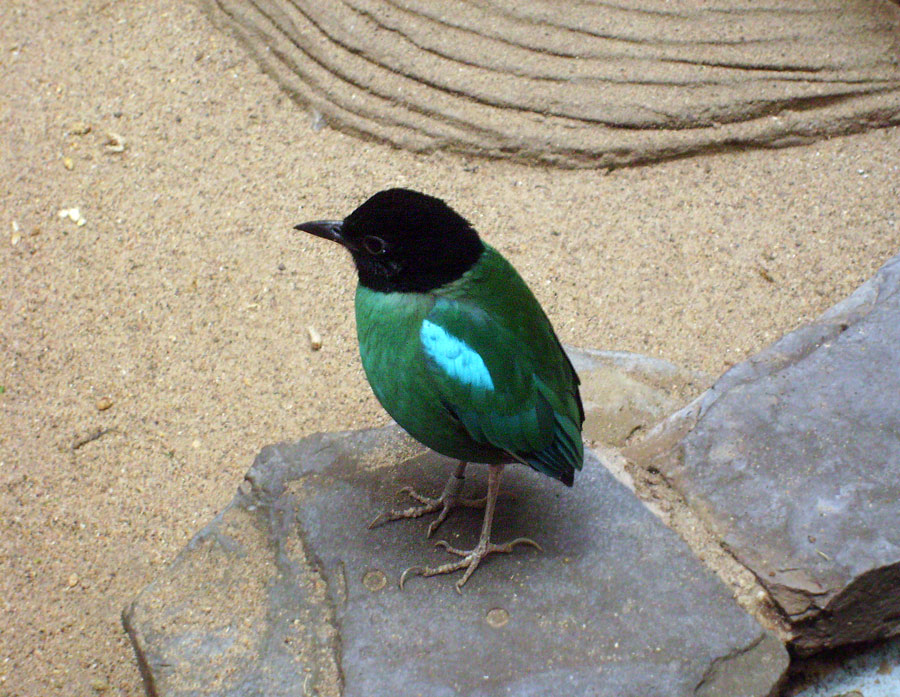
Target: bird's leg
x=446, y=502
x=472, y=558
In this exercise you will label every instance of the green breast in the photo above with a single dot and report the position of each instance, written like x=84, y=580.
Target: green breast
x=388, y=325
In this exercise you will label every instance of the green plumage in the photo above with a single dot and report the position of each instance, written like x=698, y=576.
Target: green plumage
x=531, y=412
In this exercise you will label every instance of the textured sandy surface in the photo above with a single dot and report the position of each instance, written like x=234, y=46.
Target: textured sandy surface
x=185, y=297
x=582, y=83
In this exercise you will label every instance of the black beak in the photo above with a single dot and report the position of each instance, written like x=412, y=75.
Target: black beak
x=329, y=229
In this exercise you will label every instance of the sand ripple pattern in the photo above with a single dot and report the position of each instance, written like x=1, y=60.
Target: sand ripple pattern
x=581, y=84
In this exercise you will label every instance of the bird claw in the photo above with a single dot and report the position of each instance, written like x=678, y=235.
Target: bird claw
x=436, y=523
x=522, y=541
x=430, y=506
x=449, y=498
x=443, y=544
x=415, y=570
x=505, y=548
x=413, y=494
x=471, y=558
x=378, y=520
x=446, y=502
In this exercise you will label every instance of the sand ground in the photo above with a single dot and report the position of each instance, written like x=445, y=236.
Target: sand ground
x=174, y=320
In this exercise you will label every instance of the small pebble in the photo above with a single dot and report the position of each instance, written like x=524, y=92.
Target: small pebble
x=79, y=128
x=104, y=403
x=68, y=163
x=114, y=143
x=315, y=339
x=72, y=214
x=73, y=580
x=99, y=685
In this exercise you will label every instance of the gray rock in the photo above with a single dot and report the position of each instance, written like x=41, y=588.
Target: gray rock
x=287, y=591
x=580, y=85
x=793, y=459
x=238, y=613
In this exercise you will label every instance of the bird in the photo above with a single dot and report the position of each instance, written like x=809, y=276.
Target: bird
x=460, y=353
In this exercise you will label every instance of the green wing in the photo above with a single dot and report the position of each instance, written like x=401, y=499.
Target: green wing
x=509, y=384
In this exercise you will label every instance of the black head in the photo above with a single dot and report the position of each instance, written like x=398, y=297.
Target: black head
x=404, y=241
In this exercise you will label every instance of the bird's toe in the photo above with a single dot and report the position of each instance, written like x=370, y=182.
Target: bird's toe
x=412, y=571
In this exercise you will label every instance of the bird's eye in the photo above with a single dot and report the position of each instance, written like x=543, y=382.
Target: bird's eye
x=374, y=245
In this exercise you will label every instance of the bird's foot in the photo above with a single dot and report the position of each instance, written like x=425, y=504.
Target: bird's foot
x=446, y=502
x=470, y=559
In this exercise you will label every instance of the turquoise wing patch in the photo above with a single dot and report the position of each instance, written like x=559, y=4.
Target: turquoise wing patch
x=507, y=390
x=459, y=360
x=485, y=377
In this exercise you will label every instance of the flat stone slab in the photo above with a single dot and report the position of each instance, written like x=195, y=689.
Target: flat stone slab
x=793, y=459
x=287, y=592
x=588, y=84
